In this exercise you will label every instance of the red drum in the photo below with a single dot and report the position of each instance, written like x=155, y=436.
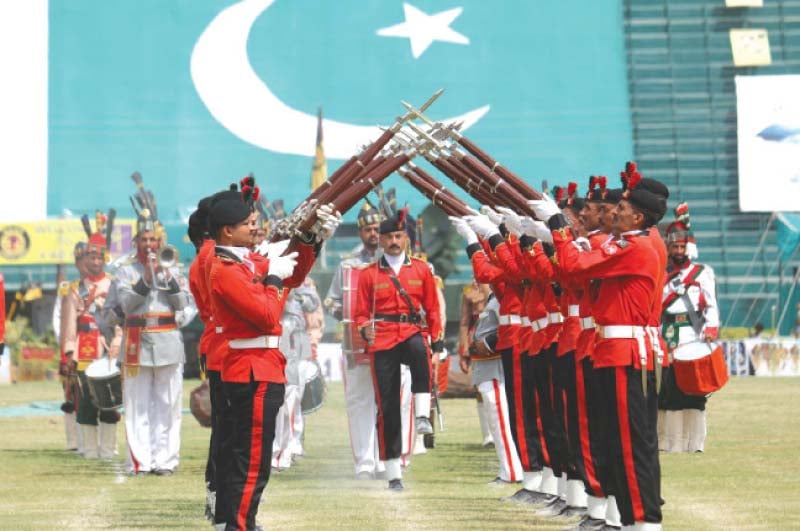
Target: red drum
x=700, y=368
x=353, y=345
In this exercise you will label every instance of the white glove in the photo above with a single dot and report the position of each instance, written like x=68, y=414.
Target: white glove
x=582, y=244
x=482, y=226
x=262, y=248
x=463, y=230
x=537, y=229
x=493, y=216
x=512, y=220
x=276, y=249
x=283, y=266
x=545, y=208
x=328, y=220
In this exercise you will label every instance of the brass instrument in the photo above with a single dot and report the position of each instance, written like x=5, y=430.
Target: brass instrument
x=167, y=257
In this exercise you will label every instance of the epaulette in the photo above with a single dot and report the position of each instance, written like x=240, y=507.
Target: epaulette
x=63, y=289
x=363, y=266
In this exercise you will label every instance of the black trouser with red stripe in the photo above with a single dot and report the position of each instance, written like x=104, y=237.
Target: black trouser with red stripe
x=247, y=447
x=521, y=408
x=634, y=470
x=555, y=437
x=386, y=380
x=591, y=457
x=566, y=409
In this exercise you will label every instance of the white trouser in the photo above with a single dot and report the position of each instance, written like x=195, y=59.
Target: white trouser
x=153, y=400
x=674, y=437
x=298, y=424
x=71, y=431
x=496, y=408
x=281, y=453
x=694, y=426
x=359, y=397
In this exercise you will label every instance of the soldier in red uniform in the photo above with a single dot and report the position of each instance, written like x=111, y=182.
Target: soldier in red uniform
x=198, y=284
x=392, y=293
x=630, y=268
x=246, y=306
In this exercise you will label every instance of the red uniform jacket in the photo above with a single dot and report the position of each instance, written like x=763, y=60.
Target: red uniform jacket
x=630, y=270
x=245, y=308
x=585, y=343
x=198, y=286
x=511, y=302
x=377, y=294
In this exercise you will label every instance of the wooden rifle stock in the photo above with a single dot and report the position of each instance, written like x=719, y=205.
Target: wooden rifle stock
x=437, y=195
x=462, y=179
x=521, y=186
x=506, y=193
x=449, y=196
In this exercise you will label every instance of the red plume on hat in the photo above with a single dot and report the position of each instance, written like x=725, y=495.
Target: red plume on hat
x=401, y=217
x=558, y=192
x=630, y=178
x=593, y=182
x=572, y=187
x=250, y=192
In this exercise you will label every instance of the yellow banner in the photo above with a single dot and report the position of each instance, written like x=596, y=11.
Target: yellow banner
x=53, y=241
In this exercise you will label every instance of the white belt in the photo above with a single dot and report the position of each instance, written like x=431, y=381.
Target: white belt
x=540, y=324
x=510, y=319
x=526, y=321
x=627, y=332
x=218, y=329
x=587, y=323
x=574, y=310
x=256, y=342
x=555, y=318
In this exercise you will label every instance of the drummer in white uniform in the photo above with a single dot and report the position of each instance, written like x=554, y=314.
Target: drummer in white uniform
x=690, y=314
x=154, y=299
x=359, y=393
x=82, y=341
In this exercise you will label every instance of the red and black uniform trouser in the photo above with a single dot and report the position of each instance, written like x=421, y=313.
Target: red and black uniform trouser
x=634, y=472
x=554, y=447
x=592, y=429
x=386, y=381
x=566, y=410
x=247, y=446
x=517, y=370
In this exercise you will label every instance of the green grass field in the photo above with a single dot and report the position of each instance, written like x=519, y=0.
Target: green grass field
x=748, y=478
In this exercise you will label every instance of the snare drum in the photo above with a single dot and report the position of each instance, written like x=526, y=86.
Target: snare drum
x=700, y=368
x=105, y=384
x=314, y=389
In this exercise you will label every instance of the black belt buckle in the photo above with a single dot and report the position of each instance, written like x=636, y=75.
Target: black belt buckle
x=403, y=318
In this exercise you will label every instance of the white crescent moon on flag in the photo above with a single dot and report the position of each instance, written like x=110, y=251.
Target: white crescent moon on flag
x=243, y=103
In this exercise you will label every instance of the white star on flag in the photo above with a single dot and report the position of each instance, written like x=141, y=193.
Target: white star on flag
x=423, y=29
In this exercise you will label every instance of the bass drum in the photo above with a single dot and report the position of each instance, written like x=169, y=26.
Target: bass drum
x=700, y=368
x=314, y=389
x=105, y=384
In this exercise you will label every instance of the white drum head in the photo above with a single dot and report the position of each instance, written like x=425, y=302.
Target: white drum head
x=693, y=351
x=102, y=368
x=308, y=370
